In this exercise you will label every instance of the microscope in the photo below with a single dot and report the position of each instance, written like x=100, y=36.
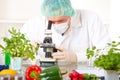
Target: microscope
x=48, y=47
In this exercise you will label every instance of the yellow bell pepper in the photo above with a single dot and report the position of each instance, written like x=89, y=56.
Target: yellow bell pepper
x=10, y=72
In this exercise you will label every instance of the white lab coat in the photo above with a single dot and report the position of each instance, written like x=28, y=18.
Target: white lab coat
x=87, y=30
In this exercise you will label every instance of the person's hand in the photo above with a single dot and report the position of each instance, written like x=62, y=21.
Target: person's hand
x=64, y=55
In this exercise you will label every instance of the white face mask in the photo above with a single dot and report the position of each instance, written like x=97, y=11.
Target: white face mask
x=61, y=28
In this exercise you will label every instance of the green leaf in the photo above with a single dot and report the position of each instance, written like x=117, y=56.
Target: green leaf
x=90, y=53
x=18, y=45
x=2, y=47
x=93, y=48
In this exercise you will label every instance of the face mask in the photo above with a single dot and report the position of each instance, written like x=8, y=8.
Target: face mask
x=61, y=28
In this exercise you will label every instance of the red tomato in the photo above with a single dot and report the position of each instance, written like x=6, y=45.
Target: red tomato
x=75, y=76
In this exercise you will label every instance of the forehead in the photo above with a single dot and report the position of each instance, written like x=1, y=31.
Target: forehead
x=59, y=18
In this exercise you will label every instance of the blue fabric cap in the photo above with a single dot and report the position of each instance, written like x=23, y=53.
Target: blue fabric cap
x=57, y=8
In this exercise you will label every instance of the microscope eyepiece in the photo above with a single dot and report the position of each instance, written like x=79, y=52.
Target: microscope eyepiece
x=49, y=25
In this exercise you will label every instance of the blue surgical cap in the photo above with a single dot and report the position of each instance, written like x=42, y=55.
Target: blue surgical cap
x=57, y=8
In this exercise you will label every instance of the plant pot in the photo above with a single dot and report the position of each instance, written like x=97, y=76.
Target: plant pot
x=16, y=63
x=111, y=75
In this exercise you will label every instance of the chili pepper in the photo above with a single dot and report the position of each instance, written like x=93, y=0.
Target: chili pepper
x=33, y=72
x=77, y=76
x=93, y=77
x=51, y=73
x=86, y=76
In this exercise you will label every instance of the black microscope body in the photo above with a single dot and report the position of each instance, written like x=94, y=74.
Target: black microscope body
x=48, y=47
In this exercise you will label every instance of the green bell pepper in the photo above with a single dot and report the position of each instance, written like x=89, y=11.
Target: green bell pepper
x=51, y=73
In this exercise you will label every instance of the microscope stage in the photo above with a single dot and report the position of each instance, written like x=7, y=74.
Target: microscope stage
x=47, y=62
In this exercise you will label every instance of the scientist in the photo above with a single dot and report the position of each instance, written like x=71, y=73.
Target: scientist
x=73, y=31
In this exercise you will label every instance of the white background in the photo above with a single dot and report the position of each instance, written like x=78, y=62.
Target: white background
x=23, y=9
x=18, y=11
x=115, y=19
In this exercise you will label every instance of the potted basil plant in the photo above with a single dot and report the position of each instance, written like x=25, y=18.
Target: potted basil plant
x=108, y=59
x=17, y=47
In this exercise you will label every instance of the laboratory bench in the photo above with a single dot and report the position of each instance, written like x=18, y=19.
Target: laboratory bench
x=67, y=68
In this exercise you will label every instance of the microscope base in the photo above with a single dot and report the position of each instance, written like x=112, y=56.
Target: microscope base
x=47, y=62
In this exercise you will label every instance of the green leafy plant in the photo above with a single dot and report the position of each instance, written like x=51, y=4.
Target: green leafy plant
x=17, y=45
x=106, y=58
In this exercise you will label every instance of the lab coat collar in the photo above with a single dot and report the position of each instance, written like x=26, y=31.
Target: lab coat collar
x=76, y=19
